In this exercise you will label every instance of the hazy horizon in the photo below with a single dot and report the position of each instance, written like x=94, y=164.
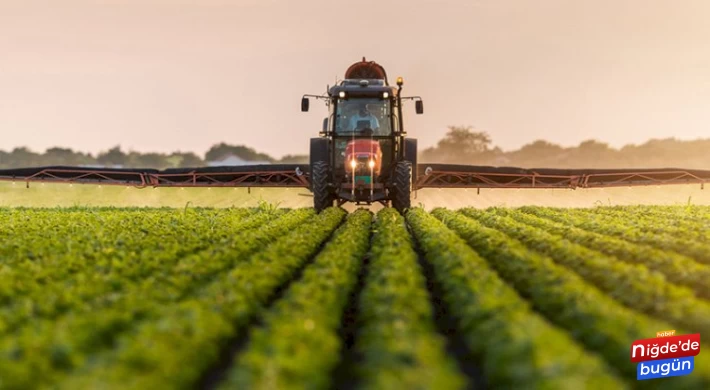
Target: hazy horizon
x=163, y=76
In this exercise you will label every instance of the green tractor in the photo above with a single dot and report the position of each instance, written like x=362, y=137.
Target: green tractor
x=362, y=154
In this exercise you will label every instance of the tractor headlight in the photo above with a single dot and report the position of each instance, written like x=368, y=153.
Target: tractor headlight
x=371, y=163
x=353, y=164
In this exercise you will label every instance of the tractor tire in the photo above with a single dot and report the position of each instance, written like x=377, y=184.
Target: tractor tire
x=402, y=186
x=410, y=154
x=320, y=151
x=320, y=176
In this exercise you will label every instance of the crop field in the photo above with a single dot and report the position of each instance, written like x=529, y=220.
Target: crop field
x=20, y=194
x=278, y=298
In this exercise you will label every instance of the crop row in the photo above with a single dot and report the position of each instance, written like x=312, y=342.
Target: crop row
x=677, y=268
x=396, y=342
x=657, y=222
x=71, y=339
x=517, y=348
x=86, y=291
x=72, y=236
x=631, y=284
x=93, y=282
x=164, y=353
x=271, y=298
x=672, y=213
x=593, y=318
x=299, y=342
x=621, y=228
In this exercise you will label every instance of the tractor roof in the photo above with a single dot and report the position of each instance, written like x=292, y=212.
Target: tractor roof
x=362, y=88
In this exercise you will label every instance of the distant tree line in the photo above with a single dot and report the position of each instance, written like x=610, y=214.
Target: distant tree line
x=463, y=145
x=460, y=145
x=116, y=157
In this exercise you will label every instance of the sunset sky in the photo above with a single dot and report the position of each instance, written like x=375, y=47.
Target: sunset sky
x=161, y=75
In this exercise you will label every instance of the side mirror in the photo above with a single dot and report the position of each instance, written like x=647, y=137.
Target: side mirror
x=325, y=125
x=419, y=106
x=304, y=104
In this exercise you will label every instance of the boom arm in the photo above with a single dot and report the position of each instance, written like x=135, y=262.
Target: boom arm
x=297, y=175
x=469, y=176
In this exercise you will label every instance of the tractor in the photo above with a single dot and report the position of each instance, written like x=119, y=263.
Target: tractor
x=361, y=154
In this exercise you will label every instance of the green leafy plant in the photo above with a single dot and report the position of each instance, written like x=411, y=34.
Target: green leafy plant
x=516, y=347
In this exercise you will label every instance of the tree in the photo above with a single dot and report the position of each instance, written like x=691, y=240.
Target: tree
x=594, y=146
x=147, y=160
x=223, y=150
x=462, y=145
x=23, y=157
x=540, y=147
x=5, y=160
x=294, y=159
x=537, y=154
x=593, y=154
x=462, y=140
x=64, y=156
x=187, y=160
x=112, y=157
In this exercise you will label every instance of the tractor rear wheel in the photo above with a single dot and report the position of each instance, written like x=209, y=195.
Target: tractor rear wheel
x=410, y=153
x=402, y=188
x=320, y=176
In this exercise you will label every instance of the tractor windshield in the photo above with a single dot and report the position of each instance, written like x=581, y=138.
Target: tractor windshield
x=363, y=117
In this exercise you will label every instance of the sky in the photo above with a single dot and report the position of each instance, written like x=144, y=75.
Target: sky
x=161, y=75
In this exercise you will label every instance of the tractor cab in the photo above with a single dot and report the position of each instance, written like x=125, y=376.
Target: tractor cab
x=364, y=131
x=362, y=142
